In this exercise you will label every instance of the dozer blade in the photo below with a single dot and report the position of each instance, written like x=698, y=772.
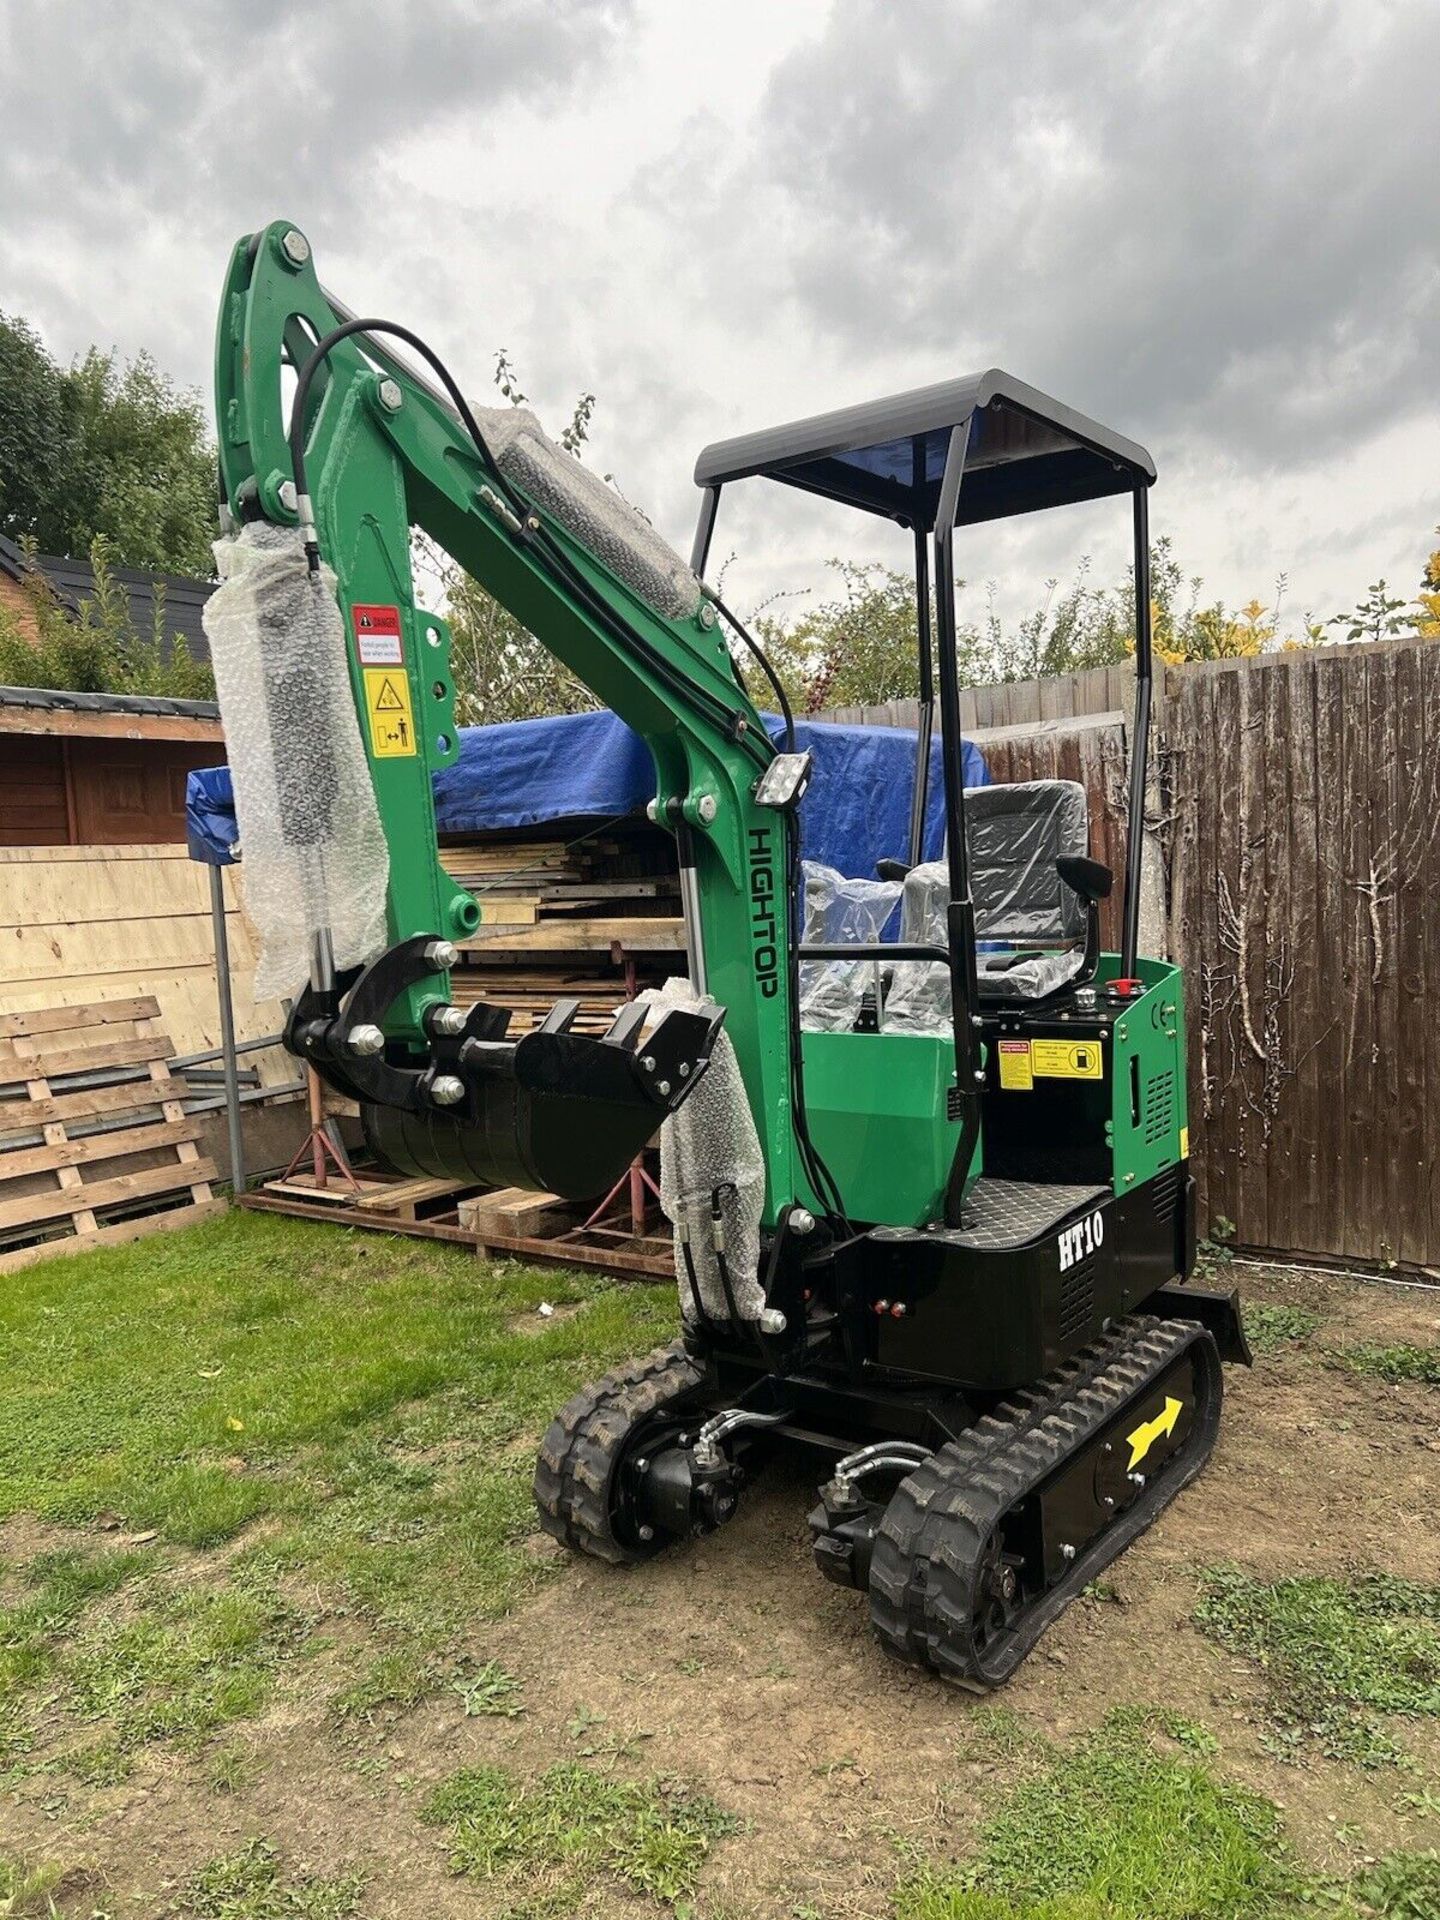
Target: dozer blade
x=556, y=1111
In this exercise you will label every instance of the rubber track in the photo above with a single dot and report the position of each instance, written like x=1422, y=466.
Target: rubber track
x=584, y=1443
x=931, y=1541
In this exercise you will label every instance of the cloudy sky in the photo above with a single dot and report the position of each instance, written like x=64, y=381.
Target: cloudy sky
x=1217, y=228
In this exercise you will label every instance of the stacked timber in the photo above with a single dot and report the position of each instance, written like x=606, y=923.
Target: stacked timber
x=594, y=918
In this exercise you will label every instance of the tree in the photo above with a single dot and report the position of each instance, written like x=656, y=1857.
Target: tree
x=500, y=670
x=860, y=647
x=103, y=449
x=100, y=649
x=855, y=649
x=36, y=430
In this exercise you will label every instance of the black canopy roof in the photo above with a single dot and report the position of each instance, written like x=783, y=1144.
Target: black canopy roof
x=1025, y=451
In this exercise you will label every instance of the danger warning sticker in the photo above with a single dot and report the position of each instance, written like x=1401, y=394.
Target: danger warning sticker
x=1067, y=1059
x=1016, y=1074
x=387, y=708
x=377, y=636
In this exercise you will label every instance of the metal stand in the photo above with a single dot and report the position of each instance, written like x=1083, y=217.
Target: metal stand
x=322, y=1143
x=227, y=1030
x=637, y=1175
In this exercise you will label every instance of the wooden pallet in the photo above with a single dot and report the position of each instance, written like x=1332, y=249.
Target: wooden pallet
x=437, y=1217
x=391, y=1198
x=113, y=1161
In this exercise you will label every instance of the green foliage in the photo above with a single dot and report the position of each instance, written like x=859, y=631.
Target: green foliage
x=188, y=1661
x=1398, y=1364
x=1268, y=1328
x=1402, y=1886
x=26, y=1890
x=1336, y=1654
x=1378, y=616
x=103, y=450
x=501, y=670
x=1115, y=1830
x=34, y=428
x=550, y=1837
x=56, y=1591
x=248, y=1885
x=859, y=647
x=491, y=1692
x=100, y=649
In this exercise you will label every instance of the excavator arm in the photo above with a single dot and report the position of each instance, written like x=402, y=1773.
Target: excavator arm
x=383, y=451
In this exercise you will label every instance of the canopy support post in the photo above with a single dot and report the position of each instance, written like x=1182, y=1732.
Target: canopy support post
x=1139, y=740
x=960, y=918
x=926, y=719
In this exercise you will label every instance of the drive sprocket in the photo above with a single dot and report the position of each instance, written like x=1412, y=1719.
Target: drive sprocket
x=578, y=1469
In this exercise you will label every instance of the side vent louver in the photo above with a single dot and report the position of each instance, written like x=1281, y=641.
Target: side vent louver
x=1077, y=1298
x=1159, y=1106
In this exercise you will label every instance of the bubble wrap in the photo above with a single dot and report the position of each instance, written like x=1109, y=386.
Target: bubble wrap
x=709, y=1141
x=837, y=909
x=1015, y=834
x=314, y=854
x=604, y=523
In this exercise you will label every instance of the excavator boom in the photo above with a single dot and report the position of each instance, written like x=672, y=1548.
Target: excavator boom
x=385, y=453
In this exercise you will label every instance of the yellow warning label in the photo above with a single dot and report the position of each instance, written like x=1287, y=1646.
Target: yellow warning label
x=1149, y=1431
x=387, y=707
x=1067, y=1059
x=1184, y=1143
x=1015, y=1073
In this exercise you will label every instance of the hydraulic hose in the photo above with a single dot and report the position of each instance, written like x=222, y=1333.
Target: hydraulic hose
x=557, y=562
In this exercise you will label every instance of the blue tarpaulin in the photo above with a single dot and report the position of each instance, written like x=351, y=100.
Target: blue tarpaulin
x=210, y=829
x=529, y=772
x=586, y=765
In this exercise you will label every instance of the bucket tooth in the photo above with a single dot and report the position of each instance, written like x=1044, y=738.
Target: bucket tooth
x=624, y=1029
x=486, y=1021
x=560, y=1018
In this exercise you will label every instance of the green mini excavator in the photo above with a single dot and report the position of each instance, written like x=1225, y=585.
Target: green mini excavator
x=940, y=1237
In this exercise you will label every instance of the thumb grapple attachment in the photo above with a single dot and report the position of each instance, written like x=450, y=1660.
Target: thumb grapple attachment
x=554, y=1110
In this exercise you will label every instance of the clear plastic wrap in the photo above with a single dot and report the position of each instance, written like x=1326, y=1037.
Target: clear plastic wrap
x=313, y=850
x=1015, y=835
x=710, y=1143
x=607, y=525
x=839, y=909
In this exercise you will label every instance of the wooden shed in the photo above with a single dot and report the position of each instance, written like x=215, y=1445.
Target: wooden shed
x=99, y=769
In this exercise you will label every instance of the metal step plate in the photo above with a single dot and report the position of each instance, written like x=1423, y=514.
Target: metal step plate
x=1003, y=1214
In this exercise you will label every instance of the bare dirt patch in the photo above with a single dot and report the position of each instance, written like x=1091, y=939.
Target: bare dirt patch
x=733, y=1665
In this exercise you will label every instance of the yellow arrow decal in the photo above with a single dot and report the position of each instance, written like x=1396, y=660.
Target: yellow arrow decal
x=1145, y=1435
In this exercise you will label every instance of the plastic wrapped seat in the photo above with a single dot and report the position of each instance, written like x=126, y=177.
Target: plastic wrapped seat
x=1015, y=835
x=841, y=910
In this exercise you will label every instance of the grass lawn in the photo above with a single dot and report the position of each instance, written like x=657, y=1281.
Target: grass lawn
x=356, y=1414
x=278, y=1640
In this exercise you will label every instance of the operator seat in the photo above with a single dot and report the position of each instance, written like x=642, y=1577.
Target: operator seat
x=1032, y=927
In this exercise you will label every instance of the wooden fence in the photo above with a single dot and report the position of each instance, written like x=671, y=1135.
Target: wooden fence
x=1297, y=802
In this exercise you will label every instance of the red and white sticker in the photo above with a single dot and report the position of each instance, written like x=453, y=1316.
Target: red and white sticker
x=377, y=636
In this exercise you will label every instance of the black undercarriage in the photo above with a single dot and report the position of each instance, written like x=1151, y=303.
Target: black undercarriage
x=996, y=1411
